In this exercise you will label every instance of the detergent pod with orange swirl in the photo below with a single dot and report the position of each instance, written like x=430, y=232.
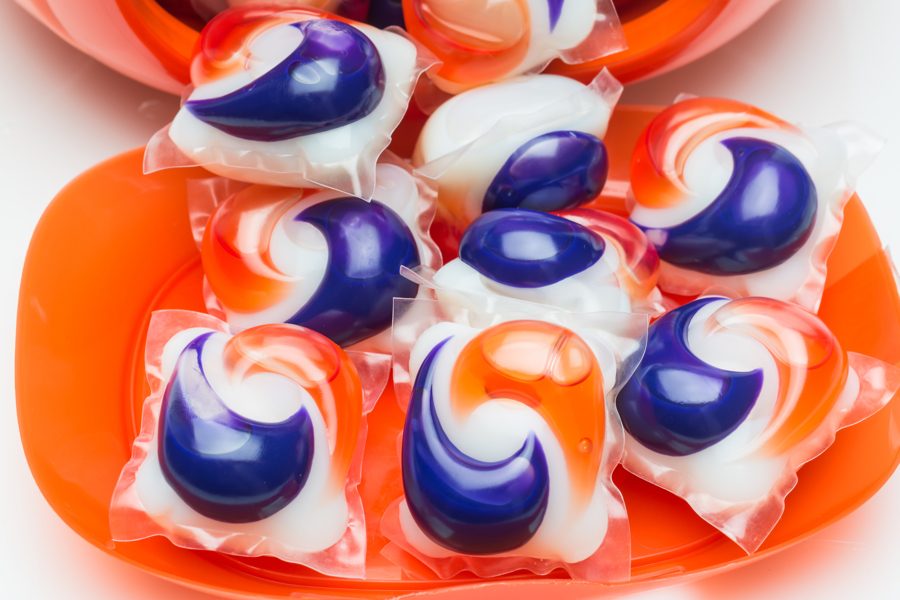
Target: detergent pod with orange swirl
x=580, y=260
x=509, y=444
x=250, y=444
x=732, y=397
x=484, y=41
x=315, y=258
x=740, y=202
x=530, y=142
x=297, y=97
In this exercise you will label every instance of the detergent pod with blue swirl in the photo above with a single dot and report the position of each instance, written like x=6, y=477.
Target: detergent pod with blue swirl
x=530, y=142
x=732, y=397
x=509, y=443
x=250, y=444
x=484, y=41
x=297, y=97
x=314, y=258
x=580, y=260
x=740, y=202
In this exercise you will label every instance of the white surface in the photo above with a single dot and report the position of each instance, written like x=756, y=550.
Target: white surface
x=60, y=113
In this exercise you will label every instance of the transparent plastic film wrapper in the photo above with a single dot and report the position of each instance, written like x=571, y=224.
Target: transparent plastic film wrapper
x=531, y=142
x=315, y=258
x=297, y=98
x=732, y=397
x=510, y=441
x=741, y=203
x=581, y=261
x=485, y=41
x=250, y=444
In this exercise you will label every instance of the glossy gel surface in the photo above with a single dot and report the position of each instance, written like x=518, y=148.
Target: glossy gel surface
x=738, y=201
x=237, y=468
x=550, y=384
x=677, y=404
x=787, y=371
x=294, y=97
x=54, y=301
x=553, y=171
x=524, y=248
x=333, y=78
x=328, y=263
x=583, y=260
x=482, y=41
x=226, y=466
x=763, y=216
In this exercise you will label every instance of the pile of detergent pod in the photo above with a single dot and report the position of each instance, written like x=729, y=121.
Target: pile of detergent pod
x=543, y=341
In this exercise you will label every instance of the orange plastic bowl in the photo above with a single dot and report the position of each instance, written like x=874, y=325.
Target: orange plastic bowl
x=142, y=40
x=116, y=245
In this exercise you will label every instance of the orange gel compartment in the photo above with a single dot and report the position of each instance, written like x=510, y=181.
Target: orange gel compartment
x=142, y=40
x=116, y=245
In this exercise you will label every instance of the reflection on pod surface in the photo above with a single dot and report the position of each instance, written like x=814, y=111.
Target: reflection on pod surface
x=222, y=464
x=553, y=171
x=763, y=216
x=504, y=441
x=582, y=260
x=295, y=97
x=531, y=142
x=333, y=78
x=748, y=376
x=252, y=422
x=737, y=201
x=319, y=260
x=483, y=41
x=528, y=249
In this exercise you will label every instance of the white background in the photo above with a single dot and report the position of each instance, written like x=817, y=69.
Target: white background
x=812, y=61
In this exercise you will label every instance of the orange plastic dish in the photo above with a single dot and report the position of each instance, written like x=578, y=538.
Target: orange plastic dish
x=116, y=245
x=142, y=40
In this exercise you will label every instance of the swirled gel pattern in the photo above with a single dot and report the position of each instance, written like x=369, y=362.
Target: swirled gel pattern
x=333, y=78
x=297, y=97
x=317, y=259
x=222, y=464
x=251, y=444
x=678, y=404
x=257, y=425
x=730, y=398
x=586, y=262
x=483, y=41
x=532, y=142
x=470, y=506
x=712, y=363
x=503, y=446
x=737, y=199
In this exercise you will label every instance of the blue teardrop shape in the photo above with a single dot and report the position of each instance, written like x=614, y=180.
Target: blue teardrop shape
x=333, y=78
x=463, y=504
x=527, y=249
x=554, y=171
x=676, y=404
x=225, y=466
x=367, y=244
x=764, y=215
